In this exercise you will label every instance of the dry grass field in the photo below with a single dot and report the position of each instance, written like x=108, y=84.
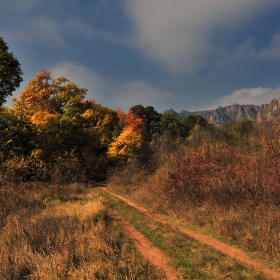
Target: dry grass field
x=63, y=233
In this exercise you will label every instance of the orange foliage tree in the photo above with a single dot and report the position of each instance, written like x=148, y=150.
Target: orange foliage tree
x=46, y=98
x=129, y=141
x=72, y=134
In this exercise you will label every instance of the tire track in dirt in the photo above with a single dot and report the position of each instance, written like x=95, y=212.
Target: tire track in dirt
x=151, y=253
x=217, y=245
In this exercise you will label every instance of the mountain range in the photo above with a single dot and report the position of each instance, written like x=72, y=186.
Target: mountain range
x=236, y=112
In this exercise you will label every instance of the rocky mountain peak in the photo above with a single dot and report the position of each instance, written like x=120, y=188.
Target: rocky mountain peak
x=236, y=112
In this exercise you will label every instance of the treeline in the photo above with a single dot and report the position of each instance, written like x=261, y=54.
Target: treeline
x=53, y=133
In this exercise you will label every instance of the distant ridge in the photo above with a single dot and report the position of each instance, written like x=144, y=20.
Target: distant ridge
x=236, y=112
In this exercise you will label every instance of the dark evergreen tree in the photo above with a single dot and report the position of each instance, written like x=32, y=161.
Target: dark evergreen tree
x=10, y=72
x=150, y=118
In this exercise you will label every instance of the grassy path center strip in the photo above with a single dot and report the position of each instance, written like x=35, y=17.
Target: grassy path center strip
x=155, y=256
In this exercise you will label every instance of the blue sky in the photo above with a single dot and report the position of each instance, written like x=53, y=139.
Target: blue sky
x=180, y=54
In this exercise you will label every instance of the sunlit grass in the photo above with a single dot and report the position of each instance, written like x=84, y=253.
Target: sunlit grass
x=76, y=239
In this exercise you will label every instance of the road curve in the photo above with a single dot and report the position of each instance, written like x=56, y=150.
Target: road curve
x=217, y=245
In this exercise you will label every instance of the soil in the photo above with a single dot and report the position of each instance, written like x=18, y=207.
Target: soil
x=217, y=245
x=149, y=252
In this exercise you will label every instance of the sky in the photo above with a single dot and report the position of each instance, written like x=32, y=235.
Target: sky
x=181, y=54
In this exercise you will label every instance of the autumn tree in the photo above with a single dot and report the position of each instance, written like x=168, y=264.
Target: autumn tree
x=46, y=98
x=99, y=125
x=130, y=140
x=73, y=134
x=126, y=145
x=10, y=72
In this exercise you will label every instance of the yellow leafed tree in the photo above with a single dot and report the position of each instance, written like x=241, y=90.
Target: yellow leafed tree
x=46, y=98
x=126, y=145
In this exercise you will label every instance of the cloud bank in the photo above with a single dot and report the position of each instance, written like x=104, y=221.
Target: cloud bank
x=114, y=94
x=255, y=96
x=179, y=34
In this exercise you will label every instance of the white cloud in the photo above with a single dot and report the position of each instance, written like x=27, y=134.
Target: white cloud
x=109, y=92
x=255, y=96
x=74, y=26
x=177, y=33
x=77, y=74
x=140, y=92
x=244, y=50
x=273, y=50
x=34, y=29
x=247, y=50
x=82, y=76
x=36, y=22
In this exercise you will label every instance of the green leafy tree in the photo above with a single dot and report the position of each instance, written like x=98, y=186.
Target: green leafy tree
x=16, y=136
x=181, y=128
x=174, y=125
x=236, y=132
x=10, y=72
x=192, y=120
x=150, y=118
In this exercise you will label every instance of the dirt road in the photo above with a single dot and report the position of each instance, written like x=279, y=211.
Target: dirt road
x=146, y=249
x=224, y=248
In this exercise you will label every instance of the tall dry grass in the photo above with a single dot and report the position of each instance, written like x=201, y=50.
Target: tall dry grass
x=62, y=233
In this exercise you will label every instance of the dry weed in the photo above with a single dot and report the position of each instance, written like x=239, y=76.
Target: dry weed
x=70, y=240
